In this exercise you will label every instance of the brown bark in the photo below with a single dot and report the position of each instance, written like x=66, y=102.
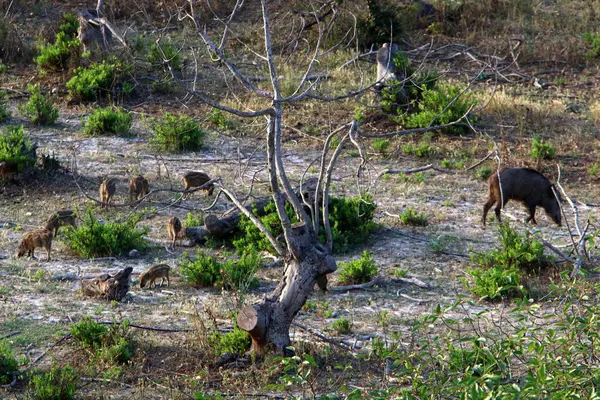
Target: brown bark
x=107, y=286
x=268, y=322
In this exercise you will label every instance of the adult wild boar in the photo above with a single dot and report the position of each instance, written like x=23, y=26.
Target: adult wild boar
x=523, y=184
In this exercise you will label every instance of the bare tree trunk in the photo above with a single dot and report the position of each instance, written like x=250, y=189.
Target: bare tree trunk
x=268, y=322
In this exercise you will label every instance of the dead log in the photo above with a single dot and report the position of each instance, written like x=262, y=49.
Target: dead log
x=225, y=227
x=106, y=286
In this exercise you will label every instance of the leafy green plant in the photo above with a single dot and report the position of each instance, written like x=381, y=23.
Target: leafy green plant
x=69, y=25
x=483, y=173
x=9, y=366
x=106, y=121
x=593, y=41
x=351, y=221
x=410, y=216
x=593, y=170
x=235, y=342
x=240, y=274
x=165, y=52
x=358, y=271
x=89, y=333
x=194, y=219
x=381, y=145
x=60, y=383
x=176, y=133
x=39, y=108
x=411, y=178
x=16, y=147
x=422, y=149
x=93, y=238
x=218, y=118
x=3, y=68
x=203, y=271
x=500, y=272
x=4, y=111
x=57, y=56
x=231, y=274
x=342, y=326
x=541, y=150
x=439, y=105
x=96, y=81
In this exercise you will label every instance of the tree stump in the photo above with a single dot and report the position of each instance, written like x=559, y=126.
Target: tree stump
x=106, y=286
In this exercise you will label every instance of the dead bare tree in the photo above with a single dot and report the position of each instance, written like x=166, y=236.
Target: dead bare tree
x=306, y=260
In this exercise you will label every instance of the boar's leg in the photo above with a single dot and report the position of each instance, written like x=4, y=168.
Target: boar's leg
x=531, y=214
x=486, y=208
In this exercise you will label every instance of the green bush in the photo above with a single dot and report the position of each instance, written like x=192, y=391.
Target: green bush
x=93, y=238
x=176, y=133
x=9, y=366
x=192, y=219
x=251, y=237
x=439, y=105
x=203, y=271
x=16, y=147
x=4, y=111
x=410, y=216
x=106, y=121
x=96, y=81
x=236, y=342
x=422, y=149
x=351, y=221
x=381, y=145
x=69, y=25
x=60, y=383
x=89, y=333
x=342, y=326
x=219, y=119
x=541, y=150
x=593, y=41
x=110, y=345
x=483, y=173
x=500, y=271
x=358, y=271
x=240, y=274
x=230, y=274
x=57, y=56
x=39, y=108
x=157, y=55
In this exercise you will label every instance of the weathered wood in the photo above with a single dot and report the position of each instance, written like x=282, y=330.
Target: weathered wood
x=107, y=286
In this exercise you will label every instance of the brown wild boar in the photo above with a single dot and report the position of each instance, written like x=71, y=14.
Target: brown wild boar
x=60, y=218
x=148, y=278
x=173, y=230
x=33, y=239
x=8, y=169
x=138, y=188
x=195, y=179
x=525, y=185
x=108, y=187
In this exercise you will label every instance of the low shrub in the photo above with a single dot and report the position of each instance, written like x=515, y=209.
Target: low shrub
x=358, y=271
x=592, y=40
x=501, y=270
x=381, y=145
x=4, y=111
x=230, y=274
x=235, y=342
x=93, y=238
x=16, y=147
x=39, y=108
x=96, y=81
x=219, y=119
x=9, y=366
x=58, y=55
x=165, y=52
x=107, y=121
x=194, y=219
x=342, y=326
x=410, y=216
x=541, y=150
x=176, y=133
x=351, y=221
x=109, y=345
x=439, y=105
x=60, y=383
x=203, y=271
x=483, y=173
x=69, y=25
x=421, y=149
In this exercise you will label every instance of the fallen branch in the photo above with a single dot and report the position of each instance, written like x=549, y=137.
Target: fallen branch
x=413, y=281
x=413, y=298
x=321, y=336
x=413, y=170
x=379, y=279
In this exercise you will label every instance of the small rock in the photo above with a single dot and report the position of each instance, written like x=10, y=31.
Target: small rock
x=134, y=253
